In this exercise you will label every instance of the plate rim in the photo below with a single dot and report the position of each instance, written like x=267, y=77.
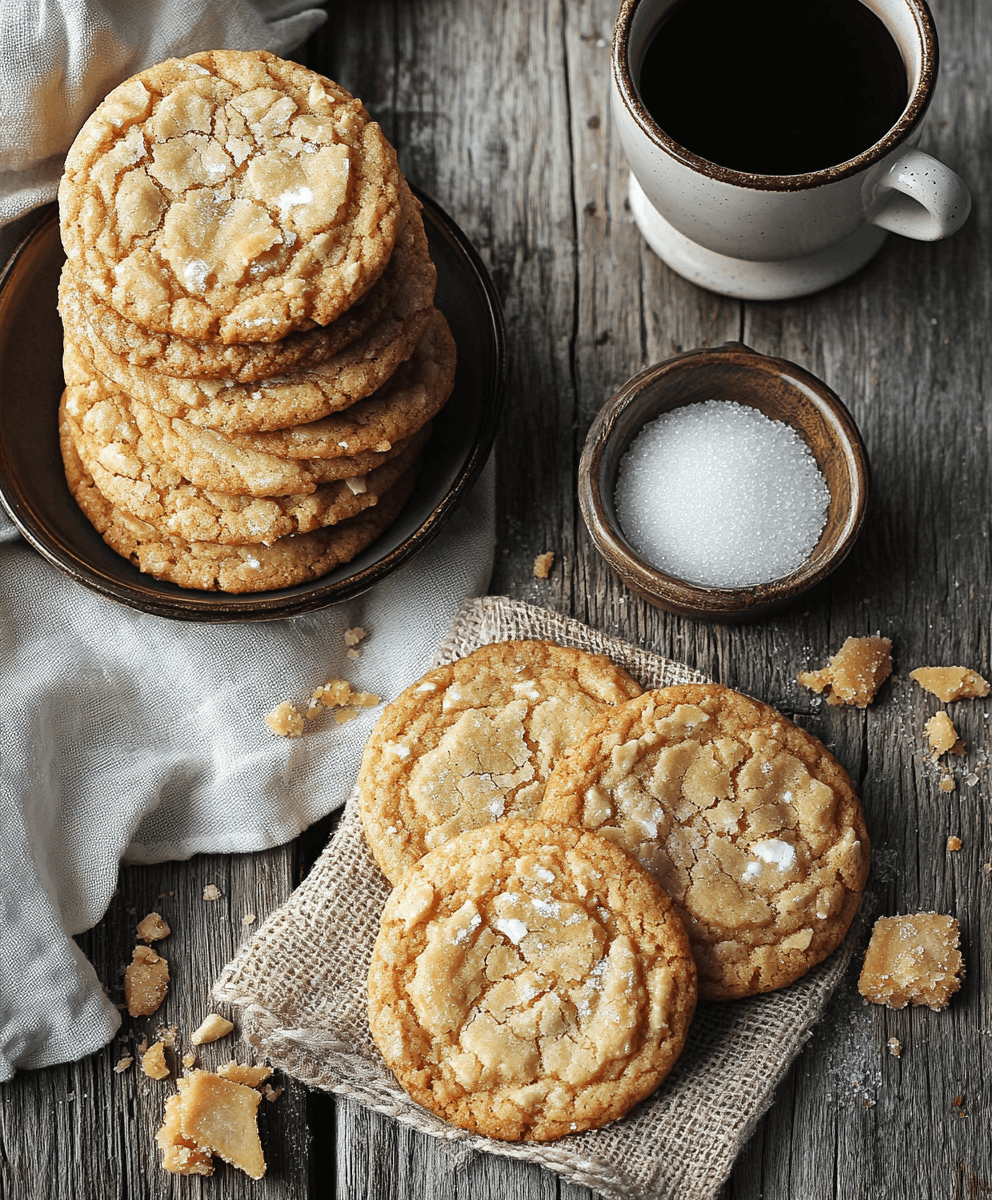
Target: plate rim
x=281, y=604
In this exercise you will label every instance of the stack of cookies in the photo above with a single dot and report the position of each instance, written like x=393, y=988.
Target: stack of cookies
x=252, y=352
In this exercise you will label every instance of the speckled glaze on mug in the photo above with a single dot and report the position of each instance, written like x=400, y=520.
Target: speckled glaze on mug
x=776, y=236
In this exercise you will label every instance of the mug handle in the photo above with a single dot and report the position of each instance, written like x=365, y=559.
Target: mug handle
x=921, y=198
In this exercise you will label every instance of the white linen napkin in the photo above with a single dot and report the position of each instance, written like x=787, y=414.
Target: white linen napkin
x=127, y=737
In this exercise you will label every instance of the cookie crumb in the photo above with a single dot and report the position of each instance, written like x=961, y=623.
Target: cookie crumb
x=912, y=959
x=895, y=1047
x=212, y=892
x=943, y=736
x=951, y=683
x=249, y=919
x=123, y=1064
x=344, y=715
x=210, y=1029
x=543, y=564
x=180, y=1155
x=153, y=1062
x=854, y=674
x=947, y=783
x=270, y=1093
x=353, y=636
x=189, y=1060
x=146, y=982
x=285, y=720
x=953, y=843
x=168, y=1035
x=152, y=928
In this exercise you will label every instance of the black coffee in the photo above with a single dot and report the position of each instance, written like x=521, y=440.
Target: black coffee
x=773, y=87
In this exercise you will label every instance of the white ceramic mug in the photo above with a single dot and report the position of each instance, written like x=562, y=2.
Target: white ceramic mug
x=772, y=237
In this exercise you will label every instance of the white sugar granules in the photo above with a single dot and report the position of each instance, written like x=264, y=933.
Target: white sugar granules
x=718, y=494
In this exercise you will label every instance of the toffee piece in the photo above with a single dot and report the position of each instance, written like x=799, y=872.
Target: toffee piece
x=912, y=959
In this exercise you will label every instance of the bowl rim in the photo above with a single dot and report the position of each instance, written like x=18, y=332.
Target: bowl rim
x=677, y=595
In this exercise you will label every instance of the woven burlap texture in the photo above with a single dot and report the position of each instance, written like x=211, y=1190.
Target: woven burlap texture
x=300, y=986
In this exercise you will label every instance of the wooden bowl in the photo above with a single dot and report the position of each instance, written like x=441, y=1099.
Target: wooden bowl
x=783, y=392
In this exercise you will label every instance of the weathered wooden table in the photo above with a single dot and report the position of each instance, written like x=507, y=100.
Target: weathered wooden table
x=498, y=108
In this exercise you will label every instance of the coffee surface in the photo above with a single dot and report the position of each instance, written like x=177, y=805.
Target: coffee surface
x=773, y=87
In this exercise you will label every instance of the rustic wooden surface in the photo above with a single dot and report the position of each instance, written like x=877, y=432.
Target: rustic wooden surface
x=498, y=108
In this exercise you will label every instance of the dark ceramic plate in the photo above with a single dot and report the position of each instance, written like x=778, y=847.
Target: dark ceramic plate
x=33, y=487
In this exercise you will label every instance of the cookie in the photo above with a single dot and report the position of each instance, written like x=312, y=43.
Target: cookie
x=302, y=395
x=748, y=822
x=126, y=428
x=167, y=354
x=230, y=195
x=156, y=493
x=474, y=741
x=416, y=392
x=208, y=566
x=530, y=981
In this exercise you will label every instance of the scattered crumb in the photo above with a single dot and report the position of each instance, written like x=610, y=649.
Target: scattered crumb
x=953, y=843
x=189, y=1060
x=146, y=982
x=249, y=919
x=951, y=683
x=123, y=1064
x=542, y=565
x=142, y=1045
x=855, y=673
x=153, y=1062
x=285, y=720
x=245, y=1075
x=168, y=1035
x=333, y=694
x=943, y=736
x=895, y=1047
x=152, y=928
x=344, y=715
x=912, y=959
x=353, y=636
x=947, y=783
x=270, y=1093
x=958, y=1101
x=211, y=1028
x=212, y=892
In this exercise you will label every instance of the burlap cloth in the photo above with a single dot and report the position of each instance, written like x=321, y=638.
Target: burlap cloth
x=300, y=985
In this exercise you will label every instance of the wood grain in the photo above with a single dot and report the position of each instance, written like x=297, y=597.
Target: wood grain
x=498, y=108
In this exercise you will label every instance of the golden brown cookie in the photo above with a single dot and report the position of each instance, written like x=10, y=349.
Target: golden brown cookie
x=168, y=354
x=748, y=822
x=474, y=741
x=229, y=195
x=302, y=395
x=208, y=566
x=131, y=431
x=530, y=981
x=154, y=492
x=415, y=393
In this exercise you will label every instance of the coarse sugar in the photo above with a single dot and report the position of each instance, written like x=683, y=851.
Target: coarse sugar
x=720, y=495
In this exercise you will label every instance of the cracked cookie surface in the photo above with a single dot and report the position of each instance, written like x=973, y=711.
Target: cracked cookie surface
x=126, y=428
x=302, y=395
x=747, y=821
x=155, y=492
x=415, y=393
x=229, y=195
x=167, y=354
x=210, y=566
x=530, y=981
x=474, y=742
